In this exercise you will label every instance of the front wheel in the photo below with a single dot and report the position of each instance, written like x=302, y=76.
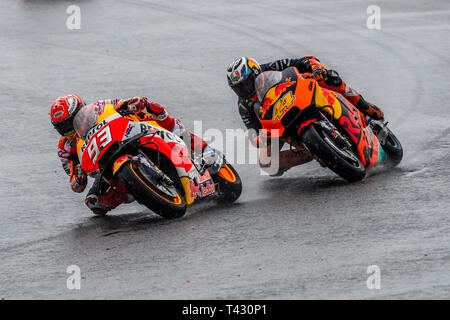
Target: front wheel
x=342, y=161
x=159, y=196
x=393, y=149
x=229, y=184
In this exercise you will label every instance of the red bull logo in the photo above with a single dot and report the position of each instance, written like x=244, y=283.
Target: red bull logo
x=275, y=93
x=329, y=95
x=204, y=186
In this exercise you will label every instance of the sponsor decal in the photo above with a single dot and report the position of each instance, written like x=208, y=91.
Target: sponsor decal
x=202, y=186
x=235, y=76
x=165, y=135
x=274, y=94
x=252, y=64
x=283, y=104
x=119, y=162
x=128, y=131
x=95, y=129
x=101, y=107
x=58, y=114
x=99, y=127
x=329, y=95
x=236, y=63
x=72, y=104
x=100, y=103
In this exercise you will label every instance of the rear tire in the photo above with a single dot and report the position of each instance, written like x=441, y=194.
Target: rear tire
x=146, y=192
x=343, y=162
x=230, y=184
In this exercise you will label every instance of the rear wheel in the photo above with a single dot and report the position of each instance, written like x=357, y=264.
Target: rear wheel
x=342, y=161
x=230, y=184
x=161, y=197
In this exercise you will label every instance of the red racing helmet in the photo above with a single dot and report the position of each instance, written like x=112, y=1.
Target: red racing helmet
x=63, y=111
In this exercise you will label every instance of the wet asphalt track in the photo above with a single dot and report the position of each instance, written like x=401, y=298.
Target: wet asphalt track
x=305, y=235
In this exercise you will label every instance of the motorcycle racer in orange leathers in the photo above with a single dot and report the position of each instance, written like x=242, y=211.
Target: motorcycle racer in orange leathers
x=241, y=75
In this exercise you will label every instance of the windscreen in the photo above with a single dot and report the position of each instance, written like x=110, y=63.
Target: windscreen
x=85, y=120
x=265, y=81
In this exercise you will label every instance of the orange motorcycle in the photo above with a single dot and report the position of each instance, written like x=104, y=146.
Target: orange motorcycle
x=298, y=111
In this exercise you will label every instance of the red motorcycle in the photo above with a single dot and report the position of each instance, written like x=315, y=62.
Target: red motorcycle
x=153, y=164
x=300, y=112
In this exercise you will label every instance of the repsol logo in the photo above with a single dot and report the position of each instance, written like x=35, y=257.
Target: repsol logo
x=94, y=130
x=91, y=133
x=166, y=135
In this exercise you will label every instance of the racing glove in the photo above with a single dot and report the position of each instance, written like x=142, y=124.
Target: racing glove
x=319, y=75
x=78, y=179
x=138, y=106
x=329, y=77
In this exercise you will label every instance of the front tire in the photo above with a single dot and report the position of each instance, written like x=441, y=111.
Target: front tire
x=230, y=184
x=393, y=149
x=159, y=197
x=342, y=161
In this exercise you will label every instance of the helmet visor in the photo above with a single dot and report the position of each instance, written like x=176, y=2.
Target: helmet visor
x=245, y=88
x=65, y=127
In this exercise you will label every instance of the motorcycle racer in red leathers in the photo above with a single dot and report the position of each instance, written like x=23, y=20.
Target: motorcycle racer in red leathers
x=102, y=196
x=241, y=75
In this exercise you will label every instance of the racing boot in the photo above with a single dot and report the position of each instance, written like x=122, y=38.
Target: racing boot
x=330, y=79
x=289, y=159
x=202, y=154
x=212, y=160
x=102, y=202
x=369, y=109
x=197, y=144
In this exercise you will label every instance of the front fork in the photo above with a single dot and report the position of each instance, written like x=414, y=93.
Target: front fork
x=328, y=128
x=379, y=128
x=155, y=173
x=146, y=164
